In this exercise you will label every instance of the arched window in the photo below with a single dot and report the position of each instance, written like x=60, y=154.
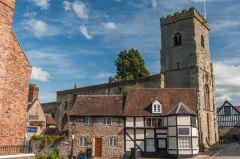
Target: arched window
x=207, y=97
x=156, y=107
x=177, y=39
x=202, y=41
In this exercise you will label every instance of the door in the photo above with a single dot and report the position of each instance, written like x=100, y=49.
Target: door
x=98, y=144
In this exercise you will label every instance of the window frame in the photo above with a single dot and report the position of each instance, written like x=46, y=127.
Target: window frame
x=151, y=144
x=156, y=107
x=82, y=142
x=184, y=143
x=152, y=125
x=112, y=142
x=105, y=121
x=184, y=134
x=177, y=39
x=88, y=121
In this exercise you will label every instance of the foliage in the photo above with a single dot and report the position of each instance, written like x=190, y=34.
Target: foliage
x=46, y=140
x=41, y=157
x=53, y=155
x=125, y=89
x=130, y=65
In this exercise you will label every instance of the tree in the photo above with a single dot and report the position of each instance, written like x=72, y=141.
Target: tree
x=130, y=65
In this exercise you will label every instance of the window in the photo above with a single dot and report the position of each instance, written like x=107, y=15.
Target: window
x=107, y=121
x=83, y=142
x=162, y=143
x=88, y=121
x=156, y=107
x=207, y=97
x=184, y=143
x=202, y=41
x=154, y=122
x=183, y=131
x=112, y=142
x=227, y=110
x=150, y=143
x=177, y=39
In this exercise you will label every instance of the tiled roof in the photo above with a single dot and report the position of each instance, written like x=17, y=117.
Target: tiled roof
x=156, y=77
x=238, y=107
x=98, y=105
x=181, y=108
x=66, y=127
x=139, y=101
x=50, y=120
x=50, y=131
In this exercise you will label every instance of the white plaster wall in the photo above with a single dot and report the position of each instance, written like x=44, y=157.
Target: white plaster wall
x=185, y=152
x=194, y=132
x=129, y=122
x=195, y=152
x=150, y=133
x=139, y=134
x=171, y=131
x=131, y=134
x=184, y=120
x=161, y=131
x=139, y=122
x=140, y=144
x=165, y=121
x=172, y=143
x=171, y=120
x=172, y=152
x=129, y=145
x=161, y=136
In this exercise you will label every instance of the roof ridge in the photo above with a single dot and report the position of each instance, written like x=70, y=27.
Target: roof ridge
x=101, y=95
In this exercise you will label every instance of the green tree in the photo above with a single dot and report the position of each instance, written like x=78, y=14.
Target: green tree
x=130, y=65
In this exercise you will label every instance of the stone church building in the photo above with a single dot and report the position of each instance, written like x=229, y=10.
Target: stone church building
x=15, y=71
x=185, y=63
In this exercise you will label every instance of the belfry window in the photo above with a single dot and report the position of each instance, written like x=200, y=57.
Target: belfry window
x=177, y=39
x=202, y=41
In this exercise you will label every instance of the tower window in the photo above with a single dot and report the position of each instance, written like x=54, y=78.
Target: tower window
x=202, y=41
x=177, y=39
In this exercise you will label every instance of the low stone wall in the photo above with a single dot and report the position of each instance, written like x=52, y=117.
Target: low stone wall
x=62, y=147
x=20, y=156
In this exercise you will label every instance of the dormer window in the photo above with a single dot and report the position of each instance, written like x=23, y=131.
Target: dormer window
x=156, y=107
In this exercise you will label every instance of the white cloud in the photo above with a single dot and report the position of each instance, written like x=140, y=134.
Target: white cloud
x=44, y=4
x=154, y=3
x=29, y=14
x=67, y=5
x=227, y=81
x=225, y=24
x=80, y=9
x=39, y=74
x=84, y=31
x=39, y=28
x=110, y=25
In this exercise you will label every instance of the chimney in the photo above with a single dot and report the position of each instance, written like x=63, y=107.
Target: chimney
x=33, y=93
x=162, y=80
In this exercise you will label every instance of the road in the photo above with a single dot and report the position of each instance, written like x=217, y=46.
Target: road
x=229, y=153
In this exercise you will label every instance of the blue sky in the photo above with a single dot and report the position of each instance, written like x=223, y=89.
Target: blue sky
x=77, y=41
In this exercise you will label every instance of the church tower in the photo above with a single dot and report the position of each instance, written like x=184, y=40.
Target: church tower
x=186, y=63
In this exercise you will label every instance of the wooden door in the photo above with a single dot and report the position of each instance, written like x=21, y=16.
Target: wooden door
x=98, y=147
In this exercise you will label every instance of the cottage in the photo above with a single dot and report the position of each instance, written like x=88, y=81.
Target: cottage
x=152, y=122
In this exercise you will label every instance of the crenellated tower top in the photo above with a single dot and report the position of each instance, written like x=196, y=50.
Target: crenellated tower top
x=9, y=3
x=184, y=14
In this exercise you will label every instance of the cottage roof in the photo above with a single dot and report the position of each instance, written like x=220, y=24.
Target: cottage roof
x=50, y=120
x=238, y=107
x=139, y=101
x=98, y=105
x=181, y=108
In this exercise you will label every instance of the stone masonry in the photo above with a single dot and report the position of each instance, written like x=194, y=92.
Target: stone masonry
x=15, y=71
x=97, y=130
x=189, y=65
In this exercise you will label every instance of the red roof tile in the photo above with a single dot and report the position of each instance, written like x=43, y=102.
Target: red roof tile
x=181, y=108
x=98, y=105
x=50, y=120
x=139, y=101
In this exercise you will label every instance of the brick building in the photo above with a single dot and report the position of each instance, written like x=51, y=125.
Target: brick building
x=15, y=71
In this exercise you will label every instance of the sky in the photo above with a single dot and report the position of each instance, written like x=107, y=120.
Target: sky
x=72, y=42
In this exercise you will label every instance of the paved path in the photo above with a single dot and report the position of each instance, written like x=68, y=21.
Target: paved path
x=232, y=152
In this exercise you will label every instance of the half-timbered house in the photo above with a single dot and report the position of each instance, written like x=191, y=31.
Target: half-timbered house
x=228, y=117
x=150, y=122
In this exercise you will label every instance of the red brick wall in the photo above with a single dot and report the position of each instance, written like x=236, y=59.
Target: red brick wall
x=15, y=71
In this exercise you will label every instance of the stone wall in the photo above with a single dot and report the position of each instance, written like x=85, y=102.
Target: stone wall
x=61, y=146
x=97, y=130
x=15, y=72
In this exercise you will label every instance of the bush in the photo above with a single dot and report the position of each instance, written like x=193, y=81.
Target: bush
x=45, y=139
x=53, y=155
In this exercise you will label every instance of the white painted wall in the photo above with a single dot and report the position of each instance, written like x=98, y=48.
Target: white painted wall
x=131, y=134
x=129, y=145
x=139, y=122
x=161, y=131
x=149, y=133
x=185, y=152
x=171, y=131
x=194, y=132
x=139, y=134
x=172, y=142
x=171, y=120
x=140, y=144
x=129, y=122
x=184, y=120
